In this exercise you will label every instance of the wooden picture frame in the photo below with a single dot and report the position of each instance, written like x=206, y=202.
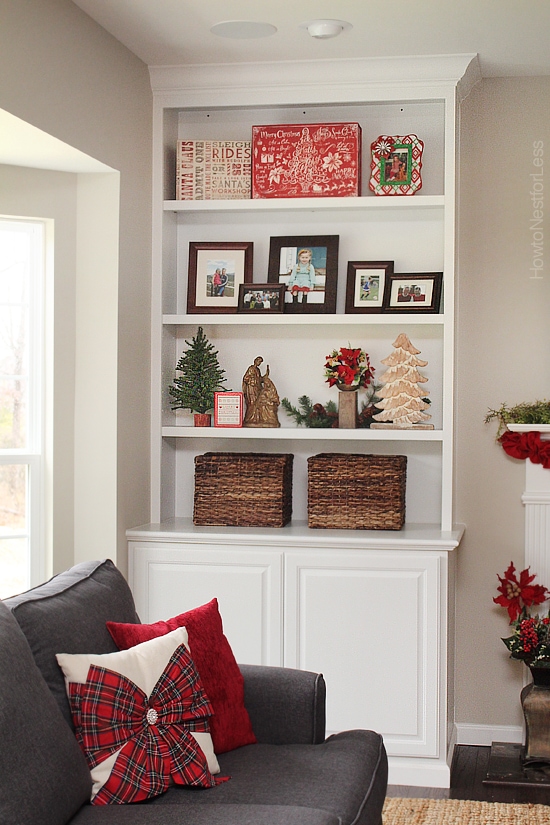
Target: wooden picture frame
x=413, y=292
x=366, y=283
x=261, y=298
x=310, y=279
x=230, y=262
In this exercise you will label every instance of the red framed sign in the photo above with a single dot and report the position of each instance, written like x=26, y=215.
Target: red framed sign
x=228, y=409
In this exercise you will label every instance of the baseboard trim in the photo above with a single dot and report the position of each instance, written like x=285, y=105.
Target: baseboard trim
x=418, y=772
x=487, y=734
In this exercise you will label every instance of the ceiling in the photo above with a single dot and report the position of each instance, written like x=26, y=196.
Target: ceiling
x=512, y=37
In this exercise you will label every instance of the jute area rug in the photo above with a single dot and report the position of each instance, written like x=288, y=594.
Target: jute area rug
x=398, y=811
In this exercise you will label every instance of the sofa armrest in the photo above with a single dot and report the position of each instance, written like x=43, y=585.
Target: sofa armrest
x=286, y=706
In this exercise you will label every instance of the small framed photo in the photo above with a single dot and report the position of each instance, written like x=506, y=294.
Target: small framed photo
x=307, y=267
x=396, y=164
x=420, y=292
x=228, y=409
x=261, y=298
x=216, y=271
x=366, y=285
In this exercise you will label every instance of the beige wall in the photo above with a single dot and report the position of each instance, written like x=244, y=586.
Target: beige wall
x=63, y=73
x=503, y=356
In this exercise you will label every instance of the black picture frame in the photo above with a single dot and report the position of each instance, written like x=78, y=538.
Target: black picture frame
x=284, y=252
x=366, y=285
x=233, y=259
x=413, y=292
x=261, y=298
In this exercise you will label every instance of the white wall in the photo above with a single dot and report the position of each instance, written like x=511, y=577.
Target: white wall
x=64, y=74
x=503, y=356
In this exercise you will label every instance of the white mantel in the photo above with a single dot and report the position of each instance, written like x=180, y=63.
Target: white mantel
x=536, y=499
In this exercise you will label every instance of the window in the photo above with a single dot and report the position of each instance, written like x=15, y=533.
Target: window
x=22, y=256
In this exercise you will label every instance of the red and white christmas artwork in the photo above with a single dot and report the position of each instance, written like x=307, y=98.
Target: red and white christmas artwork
x=306, y=161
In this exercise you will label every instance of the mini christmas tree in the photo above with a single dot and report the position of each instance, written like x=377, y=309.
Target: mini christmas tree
x=401, y=400
x=201, y=376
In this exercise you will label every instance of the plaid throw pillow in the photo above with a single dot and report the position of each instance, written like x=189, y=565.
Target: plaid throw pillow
x=141, y=718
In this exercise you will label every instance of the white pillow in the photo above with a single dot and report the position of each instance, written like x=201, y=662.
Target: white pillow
x=131, y=757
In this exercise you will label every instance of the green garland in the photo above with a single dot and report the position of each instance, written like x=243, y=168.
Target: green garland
x=312, y=415
x=537, y=412
x=308, y=414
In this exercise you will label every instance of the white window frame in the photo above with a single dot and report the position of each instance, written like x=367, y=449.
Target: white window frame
x=33, y=455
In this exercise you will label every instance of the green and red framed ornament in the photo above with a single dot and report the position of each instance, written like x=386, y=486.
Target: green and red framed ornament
x=396, y=164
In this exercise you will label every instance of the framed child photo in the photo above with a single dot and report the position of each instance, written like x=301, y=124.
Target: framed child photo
x=216, y=271
x=307, y=267
x=416, y=292
x=366, y=285
x=261, y=298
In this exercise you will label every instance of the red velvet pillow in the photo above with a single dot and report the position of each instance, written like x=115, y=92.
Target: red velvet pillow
x=219, y=672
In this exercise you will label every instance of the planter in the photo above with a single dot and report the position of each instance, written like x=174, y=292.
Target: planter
x=347, y=407
x=535, y=702
x=202, y=419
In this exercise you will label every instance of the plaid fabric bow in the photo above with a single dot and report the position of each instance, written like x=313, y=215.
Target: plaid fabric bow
x=151, y=734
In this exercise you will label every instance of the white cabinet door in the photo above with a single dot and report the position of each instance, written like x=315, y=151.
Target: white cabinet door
x=373, y=623
x=170, y=578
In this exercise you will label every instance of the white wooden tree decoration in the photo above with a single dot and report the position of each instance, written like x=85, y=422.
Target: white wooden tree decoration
x=401, y=397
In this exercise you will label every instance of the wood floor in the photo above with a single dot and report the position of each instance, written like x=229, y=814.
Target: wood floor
x=468, y=770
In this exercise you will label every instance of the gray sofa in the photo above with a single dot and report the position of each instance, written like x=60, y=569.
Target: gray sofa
x=292, y=775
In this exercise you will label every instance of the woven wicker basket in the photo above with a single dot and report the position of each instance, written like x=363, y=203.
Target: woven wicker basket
x=356, y=492
x=243, y=489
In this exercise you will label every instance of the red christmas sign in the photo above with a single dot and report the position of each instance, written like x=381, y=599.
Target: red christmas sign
x=306, y=161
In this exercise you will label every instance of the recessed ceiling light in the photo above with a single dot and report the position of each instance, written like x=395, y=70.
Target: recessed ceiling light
x=323, y=29
x=243, y=29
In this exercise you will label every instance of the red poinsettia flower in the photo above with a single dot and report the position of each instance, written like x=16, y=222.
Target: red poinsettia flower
x=517, y=594
x=350, y=357
x=346, y=374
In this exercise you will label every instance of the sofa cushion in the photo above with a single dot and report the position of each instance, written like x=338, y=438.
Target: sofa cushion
x=218, y=669
x=204, y=815
x=346, y=776
x=141, y=718
x=44, y=774
x=68, y=614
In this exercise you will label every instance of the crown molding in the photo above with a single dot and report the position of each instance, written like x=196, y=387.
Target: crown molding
x=315, y=81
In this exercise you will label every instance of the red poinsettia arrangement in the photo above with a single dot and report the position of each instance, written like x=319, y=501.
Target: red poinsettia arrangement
x=530, y=640
x=349, y=368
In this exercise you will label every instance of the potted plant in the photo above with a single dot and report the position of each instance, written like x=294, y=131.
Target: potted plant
x=530, y=643
x=348, y=369
x=201, y=376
